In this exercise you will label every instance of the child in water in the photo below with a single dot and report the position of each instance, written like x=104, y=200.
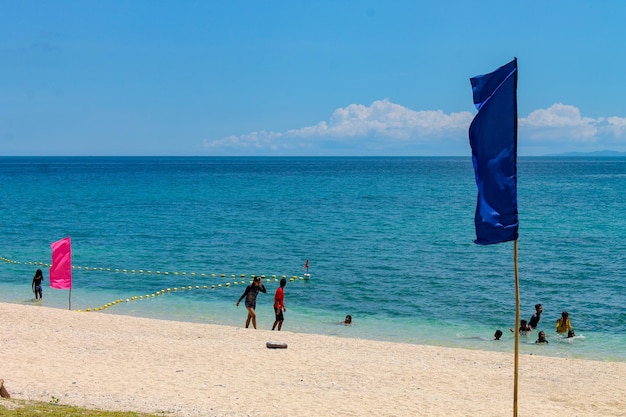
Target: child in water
x=542, y=338
x=524, y=328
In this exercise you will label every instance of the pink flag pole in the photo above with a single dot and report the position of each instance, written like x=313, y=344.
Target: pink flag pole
x=61, y=268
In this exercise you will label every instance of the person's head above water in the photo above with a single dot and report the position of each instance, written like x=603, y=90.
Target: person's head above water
x=498, y=334
x=348, y=319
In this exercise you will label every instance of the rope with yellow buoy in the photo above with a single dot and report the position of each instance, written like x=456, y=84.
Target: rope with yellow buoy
x=233, y=280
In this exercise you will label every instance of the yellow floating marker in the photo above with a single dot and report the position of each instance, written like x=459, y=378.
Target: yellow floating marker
x=168, y=290
x=212, y=287
x=148, y=272
x=197, y=286
x=88, y=309
x=190, y=287
x=141, y=271
x=175, y=288
x=203, y=274
x=204, y=286
x=132, y=271
x=228, y=284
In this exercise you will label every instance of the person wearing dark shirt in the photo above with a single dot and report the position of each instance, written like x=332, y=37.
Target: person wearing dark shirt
x=534, y=320
x=250, y=295
x=36, y=285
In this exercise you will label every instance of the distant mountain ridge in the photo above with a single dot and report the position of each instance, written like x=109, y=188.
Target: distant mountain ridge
x=595, y=153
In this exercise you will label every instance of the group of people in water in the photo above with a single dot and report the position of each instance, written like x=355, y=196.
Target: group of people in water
x=563, y=326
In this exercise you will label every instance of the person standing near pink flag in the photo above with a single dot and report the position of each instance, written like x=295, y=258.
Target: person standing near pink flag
x=37, y=280
x=61, y=268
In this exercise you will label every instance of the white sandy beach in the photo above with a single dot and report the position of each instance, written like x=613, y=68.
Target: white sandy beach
x=115, y=362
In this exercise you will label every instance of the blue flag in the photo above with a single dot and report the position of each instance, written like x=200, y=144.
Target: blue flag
x=493, y=138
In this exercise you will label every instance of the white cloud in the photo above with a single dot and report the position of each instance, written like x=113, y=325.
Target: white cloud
x=562, y=128
x=389, y=120
x=616, y=125
x=386, y=128
x=363, y=129
x=559, y=122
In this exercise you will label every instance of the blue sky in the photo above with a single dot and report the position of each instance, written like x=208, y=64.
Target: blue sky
x=319, y=78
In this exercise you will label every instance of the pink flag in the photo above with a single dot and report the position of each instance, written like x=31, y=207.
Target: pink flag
x=61, y=268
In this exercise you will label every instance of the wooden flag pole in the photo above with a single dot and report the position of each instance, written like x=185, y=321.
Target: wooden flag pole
x=69, y=299
x=517, y=321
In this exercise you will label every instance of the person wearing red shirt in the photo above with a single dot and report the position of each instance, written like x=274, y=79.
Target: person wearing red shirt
x=279, y=304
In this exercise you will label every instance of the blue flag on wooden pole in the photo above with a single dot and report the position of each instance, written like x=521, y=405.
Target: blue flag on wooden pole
x=493, y=138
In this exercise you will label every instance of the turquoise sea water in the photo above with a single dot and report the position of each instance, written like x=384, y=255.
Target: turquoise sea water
x=389, y=241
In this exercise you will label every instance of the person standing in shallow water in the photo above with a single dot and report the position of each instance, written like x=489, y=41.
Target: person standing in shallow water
x=36, y=285
x=279, y=304
x=250, y=294
x=534, y=320
x=563, y=324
